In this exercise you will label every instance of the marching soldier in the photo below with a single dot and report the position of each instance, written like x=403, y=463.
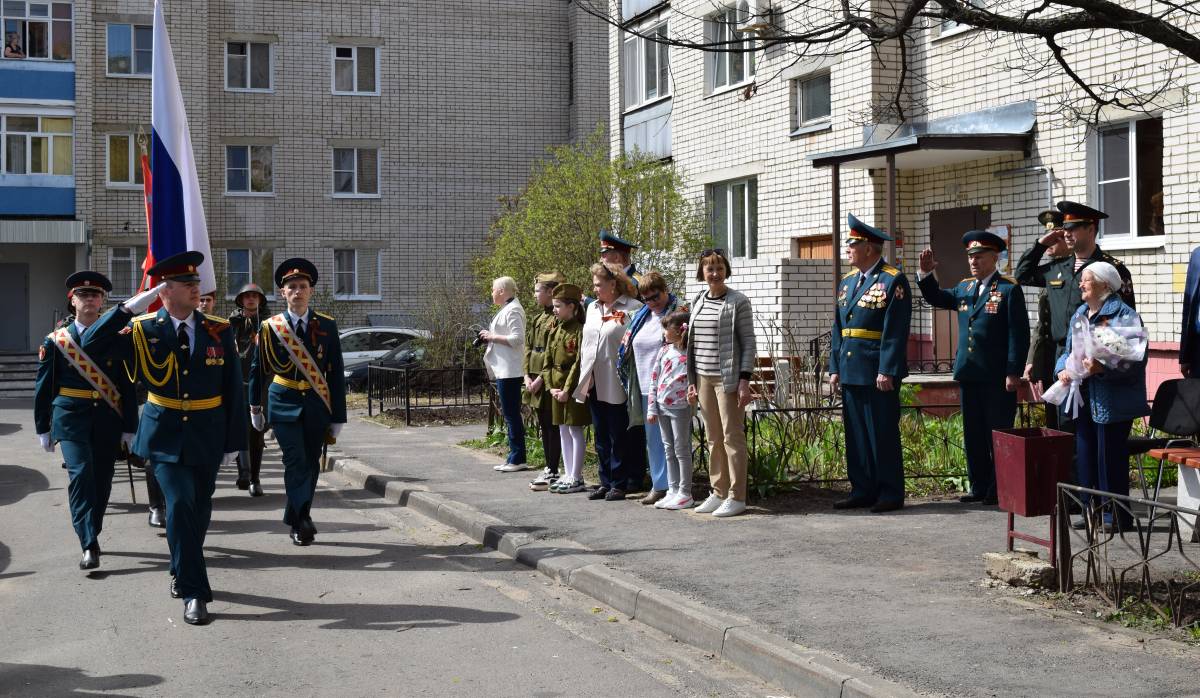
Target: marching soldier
x=300, y=354
x=614, y=250
x=208, y=301
x=84, y=402
x=868, y=358
x=194, y=417
x=246, y=320
x=993, y=340
x=536, y=396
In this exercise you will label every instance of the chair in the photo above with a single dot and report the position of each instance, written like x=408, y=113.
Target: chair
x=1176, y=412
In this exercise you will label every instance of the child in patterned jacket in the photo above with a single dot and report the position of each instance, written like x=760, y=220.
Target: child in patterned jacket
x=667, y=406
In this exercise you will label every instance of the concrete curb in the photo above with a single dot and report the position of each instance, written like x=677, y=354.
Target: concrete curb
x=736, y=640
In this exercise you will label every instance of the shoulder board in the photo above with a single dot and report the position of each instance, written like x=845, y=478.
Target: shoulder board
x=318, y=313
x=146, y=316
x=848, y=274
x=1010, y=280
x=889, y=269
x=969, y=278
x=1111, y=259
x=216, y=318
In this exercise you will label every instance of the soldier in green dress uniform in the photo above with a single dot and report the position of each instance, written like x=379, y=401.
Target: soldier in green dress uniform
x=537, y=333
x=1039, y=366
x=251, y=304
x=560, y=371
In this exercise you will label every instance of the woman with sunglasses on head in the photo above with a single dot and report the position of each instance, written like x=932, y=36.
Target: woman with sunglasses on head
x=720, y=357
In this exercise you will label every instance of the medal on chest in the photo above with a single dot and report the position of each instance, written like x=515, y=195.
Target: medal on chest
x=841, y=299
x=993, y=302
x=874, y=298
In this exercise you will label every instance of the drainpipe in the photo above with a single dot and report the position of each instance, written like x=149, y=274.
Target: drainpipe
x=1047, y=171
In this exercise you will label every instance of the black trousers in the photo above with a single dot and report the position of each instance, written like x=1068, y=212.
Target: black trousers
x=551, y=444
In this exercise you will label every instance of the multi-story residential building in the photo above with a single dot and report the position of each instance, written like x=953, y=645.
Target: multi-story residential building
x=983, y=145
x=373, y=138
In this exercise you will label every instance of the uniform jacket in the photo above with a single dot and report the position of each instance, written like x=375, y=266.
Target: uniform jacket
x=882, y=307
x=561, y=371
x=1061, y=282
x=537, y=339
x=598, y=354
x=1189, y=341
x=1112, y=395
x=736, y=344
x=73, y=418
x=286, y=404
x=1042, y=349
x=993, y=329
x=504, y=361
x=212, y=370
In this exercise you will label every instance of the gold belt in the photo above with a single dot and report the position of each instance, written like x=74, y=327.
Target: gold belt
x=289, y=383
x=862, y=334
x=76, y=392
x=207, y=403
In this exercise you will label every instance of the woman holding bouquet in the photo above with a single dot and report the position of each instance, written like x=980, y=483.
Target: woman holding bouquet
x=1106, y=354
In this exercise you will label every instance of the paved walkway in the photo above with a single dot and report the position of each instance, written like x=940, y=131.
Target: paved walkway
x=900, y=593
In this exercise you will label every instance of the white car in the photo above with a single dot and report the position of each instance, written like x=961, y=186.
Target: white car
x=363, y=344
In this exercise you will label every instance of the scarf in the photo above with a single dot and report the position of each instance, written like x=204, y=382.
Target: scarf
x=639, y=320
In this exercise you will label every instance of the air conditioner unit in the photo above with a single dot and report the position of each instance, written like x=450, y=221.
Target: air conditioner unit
x=754, y=16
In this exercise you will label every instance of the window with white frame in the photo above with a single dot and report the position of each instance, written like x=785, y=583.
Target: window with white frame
x=249, y=169
x=1129, y=178
x=812, y=105
x=124, y=163
x=125, y=270
x=356, y=273
x=130, y=49
x=37, y=29
x=237, y=270
x=248, y=66
x=646, y=70
x=38, y=145
x=355, y=70
x=950, y=27
x=734, y=64
x=734, y=216
x=356, y=172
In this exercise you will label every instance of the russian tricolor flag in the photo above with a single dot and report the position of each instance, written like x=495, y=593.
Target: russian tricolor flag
x=174, y=211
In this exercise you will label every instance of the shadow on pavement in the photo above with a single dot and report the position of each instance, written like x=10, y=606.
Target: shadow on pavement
x=7, y=428
x=359, y=616
x=40, y=679
x=17, y=481
x=5, y=561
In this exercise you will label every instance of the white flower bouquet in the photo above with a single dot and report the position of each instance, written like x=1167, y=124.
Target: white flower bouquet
x=1117, y=344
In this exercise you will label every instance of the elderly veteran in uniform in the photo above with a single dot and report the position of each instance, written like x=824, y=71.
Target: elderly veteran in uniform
x=84, y=402
x=614, y=250
x=868, y=357
x=537, y=342
x=251, y=304
x=194, y=418
x=298, y=366
x=993, y=341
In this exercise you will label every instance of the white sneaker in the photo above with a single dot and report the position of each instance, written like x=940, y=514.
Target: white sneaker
x=731, y=507
x=669, y=497
x=710, y=505
x=512, y=467
x=681, y=501
x=542, y=482
x=498, y=467
x=571, y=487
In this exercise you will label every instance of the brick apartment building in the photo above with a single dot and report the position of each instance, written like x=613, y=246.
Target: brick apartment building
x=371, y=137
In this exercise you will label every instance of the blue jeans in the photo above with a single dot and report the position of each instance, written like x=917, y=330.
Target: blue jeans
x=509, y=390
x=1102, y=456
x=654, y=449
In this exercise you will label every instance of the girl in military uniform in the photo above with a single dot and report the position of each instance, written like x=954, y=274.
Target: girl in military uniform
x=561, y=375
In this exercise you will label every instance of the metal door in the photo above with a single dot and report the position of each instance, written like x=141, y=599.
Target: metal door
x=14, y=321
x=946, y=228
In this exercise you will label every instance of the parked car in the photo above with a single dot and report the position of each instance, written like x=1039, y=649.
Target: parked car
x=400, y=357
x=363, y=344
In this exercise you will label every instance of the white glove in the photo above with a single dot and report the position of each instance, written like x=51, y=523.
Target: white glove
x=138, y=304
x=258, y=421
x=335, y=429
x=127, y=441
x=227, y=459
x=47, y=446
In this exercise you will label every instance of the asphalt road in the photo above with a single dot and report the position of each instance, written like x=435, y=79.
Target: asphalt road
x=386, y=603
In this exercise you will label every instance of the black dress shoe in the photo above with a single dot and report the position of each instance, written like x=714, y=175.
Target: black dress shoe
x=174, y=588
x=256, y=489
x=243, y=484
x=157, y=518
x=615, y=495
x=970, y=498
x=852, y=503
x=307, y=529
x=298, y=537
x=598, y=493
x=195, y=612
x=882, y=507
x=91, y=558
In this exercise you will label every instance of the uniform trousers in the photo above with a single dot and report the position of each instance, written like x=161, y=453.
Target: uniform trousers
x=656, y=454
x=188, y=487
x=874, y=461
x=154, y=492
x=90, y=467
x=725, y=427
x=250, y=460
x=1102, y=454
x=551, y=443
x=301, y=443
x=986, y=406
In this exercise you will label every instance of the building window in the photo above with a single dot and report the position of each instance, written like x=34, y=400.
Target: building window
x=646, y=67
x=37, y=29
x=124, y=165
x=237, y=270
x=356, y=172
x=247, y=66
x=355, y=69
x=812, y=105
x=735, y=64
x=125, y=270
x=249, y=169
x=734, y=221
x=1129, y=178
x=130, y=49
x=38, y=145
x=356, y=274
x=950, y=27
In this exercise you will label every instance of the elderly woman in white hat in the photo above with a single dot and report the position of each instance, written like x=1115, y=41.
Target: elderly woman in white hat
x=1112, y=398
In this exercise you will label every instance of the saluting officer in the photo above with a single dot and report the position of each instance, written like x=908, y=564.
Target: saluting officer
x=246, y=320
x=537, y=336
x=993, y=340
x=614, y=250
x=194, y=417
x=84, y=401
x=868, y=357
x=1039, y=366
x=300, y=354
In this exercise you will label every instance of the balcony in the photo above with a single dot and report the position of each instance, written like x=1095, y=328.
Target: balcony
x=45, y=82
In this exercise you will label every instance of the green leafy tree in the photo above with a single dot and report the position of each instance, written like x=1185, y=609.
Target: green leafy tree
x=576, y=192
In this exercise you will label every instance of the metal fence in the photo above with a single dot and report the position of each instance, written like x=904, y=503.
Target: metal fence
x=411, y=389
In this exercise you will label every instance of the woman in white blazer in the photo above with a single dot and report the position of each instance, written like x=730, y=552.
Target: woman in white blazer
x=505, y=338
x=600, y=384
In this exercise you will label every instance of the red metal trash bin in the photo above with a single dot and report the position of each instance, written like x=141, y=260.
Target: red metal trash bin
x=1029, y=465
